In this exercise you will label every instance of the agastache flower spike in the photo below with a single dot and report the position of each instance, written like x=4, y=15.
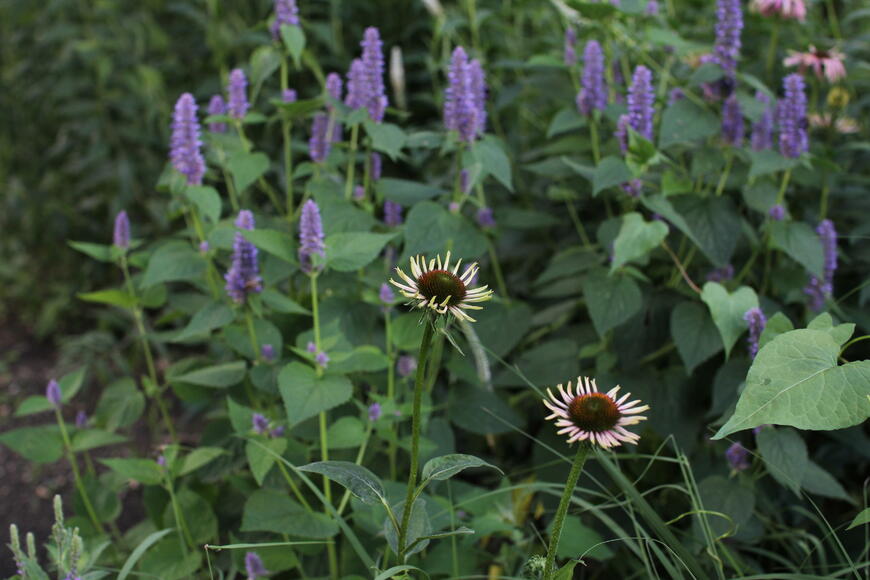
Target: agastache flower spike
x=310, y=237
x=254, y=566
x=819, y=289
x=593, y=94
x=185, y=144
x=777, y=213
x=460, y=108
x=289, y=96
x=392, y=213
x=570, y=52
x=259, y=423
x=386, y=294
x=53, y=394
x=243, y=277
x=237, y=90
x=737, y=456
x=374, y=412
x=217, y=106
x=406, y=365
x=478, y=92
x=377, y=166
x=793, y=138
x=373, y=66
x=485, y=218
x=286, y=12
x=356, y=85
x=641, y=102
x=121, y=233
x=333, y=89
x=762, y=130
x=729, y=24
x=732, y=122
x=756, y=321
x=319, y=144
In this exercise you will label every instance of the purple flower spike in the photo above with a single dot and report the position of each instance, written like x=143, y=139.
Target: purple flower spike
x=593, y=95
x=621, y=132
x=81, y=420
x=268, y=352
x=333, y=88
x=185, y=144
x=729, y=24
x=374, y=412
x=386, y=294
x=762, y=130
x=203, y=247
x=311, y=347
x=254, y=566
x=828, y=235
x=793, y=138
x=392, y=214
x=756, y=320
x=465, y=181
x=485, y=218
x=237, y=90
x=243, y=277
x=310, y=237
x=121, y=234
x=359, y=193
x=356, y=85
x=259, y=423
x=738, y=457
x=289, y=96
x=53, y=394
x=373, y=67
x=322, y=359
x=277, y=431
x=732, y=122
x=641, y=102
x=478, y=92
x=286, y=12
x=570, y=52
x=217, y=106
x=461, y=112
x=319, y=144
x=777, y=213
x=652, y=8
x=376, y=163
x=406, y=365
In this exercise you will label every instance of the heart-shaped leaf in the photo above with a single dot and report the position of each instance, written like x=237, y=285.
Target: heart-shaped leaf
x=727, y=310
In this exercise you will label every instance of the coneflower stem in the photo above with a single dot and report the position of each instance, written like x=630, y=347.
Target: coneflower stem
x=559, y=522
x=422, y=357
x=391, y=389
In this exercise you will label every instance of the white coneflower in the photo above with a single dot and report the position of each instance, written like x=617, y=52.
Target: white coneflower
x=434, y=285
x=588, y=415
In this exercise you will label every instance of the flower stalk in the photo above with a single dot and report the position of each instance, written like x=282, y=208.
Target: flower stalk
x=583, y=449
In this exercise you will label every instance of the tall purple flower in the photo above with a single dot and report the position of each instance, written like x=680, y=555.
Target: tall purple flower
x=819, y=289
x=652, y=8
x=243, y=277
x=322, y=359
x=121, y=234
x=217, y=106
x=319, y=144
x=729, y=24
x=593, y=94
x=756, y=321
x=53, y=394
x=374, y=411
x=732, y=122
x=81, y=420
x=762, y=130
x=376, y=163
x=386, y=294
x=460, y=107
x=777, y=213
x=406, y=365
x=737, y=456
x=333, y=87
x=793, y=138
x=478, y=92
x=641, y=102
x=621, y=132
x=570, y=52
x=485, y=217
x=254, y=566
x=289, y=96
x=237, y=90
x=392, y=213
x=286, y=12
x=185, y=144
x=267, y=351
x=356, y=85
x=373, y=67
x=310, y=236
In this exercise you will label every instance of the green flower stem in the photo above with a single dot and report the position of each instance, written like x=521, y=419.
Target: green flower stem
x=496, y=267
x=593, y=134
x=771, y=49
x=293, y=486
x=573, y=476
x=153, y=391
x=185, y=538
x=351, y=162
x=71, y=457
x=231, y=186
x=422, y=357
x=457, y=179
x=264, y=185
x=252, y=333
x=471, y=5
x=286, y=129
x=391, y=389
x=723, y=178
x=832, y=18
x=578, y=225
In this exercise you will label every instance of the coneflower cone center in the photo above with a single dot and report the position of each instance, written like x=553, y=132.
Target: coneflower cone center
x=441, y=284
x=594, y=412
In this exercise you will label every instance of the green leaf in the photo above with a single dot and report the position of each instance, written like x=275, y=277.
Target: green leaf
x=430, y=228
x=361, y=359
x=386, y=137
x=142, y=470
x=580, y=541
x=273, y=511
x=111, y=296
x=246, y=168
x=794, y=380
x=298, y=109
x=777, y=324
x=566, y=572
x=694, y=333
x=100, y=252
x=636, y=239
x=199, y=457
x=728, y=497
x=446, y=466
x=489, y=153
x=593, y=10
x=70, y=384
x=305, y=394
x=768, y=161
x=260, y=460
x=611, y=300
x=218, y=376
x=86, y=439
x=175, y=261
x=280, y=303
x=355, y=478
x=279, y=244
x=143, y=546
x=714, y=224
x=206, y=199
x=294, y=40
x=121, y=405
x=41, y=444
x=264, y=62
x=684, y=122
x=168, y=560
x=352, y=251
x=862, y=518
x=610, y=172
x=801, y=243
x=210, y=317
x=345, y=433
x=727, y=310
x=406, y=192
x=820, y=482
x=785, y=456
x=419, y=526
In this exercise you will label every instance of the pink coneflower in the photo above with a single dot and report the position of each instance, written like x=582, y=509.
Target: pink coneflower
x=787, y=9
x=588, y=415
x=844, y=125
x=826, y=64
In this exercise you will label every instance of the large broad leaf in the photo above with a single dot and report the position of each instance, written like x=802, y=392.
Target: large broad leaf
x=636, y=239
x=261, y=460
x=386, y=137
x=611, y=171
x=273, y=511
x=446, y=466
x=694, y=333
x=142, y=470
x=419, y=526
x=406, y=192
x=305, y=394
x=728, y=310
x=714, y=223
x=279, y=244
x=207, y=201
x=795, y=381
x=768, y=161
x=246, y=168
x=685, y=122
x=611, y=299
x=357, y=479
x=86, y=439
x=217, y=376
x=801, y=243
x=121, y=404
x=210, y=317
x=38, y=444
x=820, y=482
x=489, y=154
x=785, y=456
x=351, y=251
x=111, y=296
x=173, y=262
x=430, y=229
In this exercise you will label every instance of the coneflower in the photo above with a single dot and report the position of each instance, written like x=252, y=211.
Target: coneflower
x=593, y=94
x=121, y=233
x=310, y=237
x=217, y=106
x=732, y=122
x=185, y=144
x=762, y=130
x=793, y=138
x=237, y=105
x=826, y=64
x=729, y=24
x=373, y=67
x=756, y=321
x=243, y=277
x=286, y=12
